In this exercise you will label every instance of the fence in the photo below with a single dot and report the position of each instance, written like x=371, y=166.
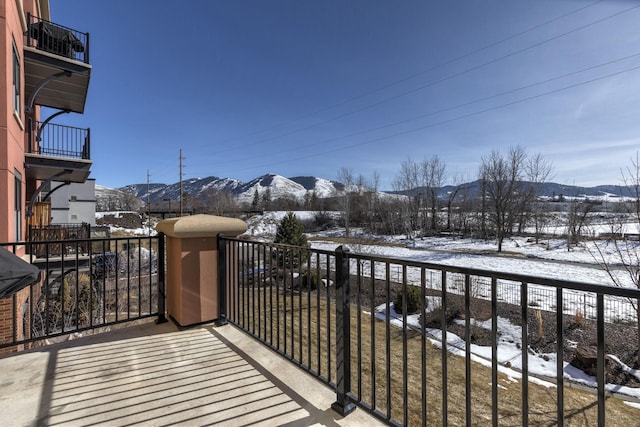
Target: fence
x=96, y=283
x=344, y=318
x=65, y=234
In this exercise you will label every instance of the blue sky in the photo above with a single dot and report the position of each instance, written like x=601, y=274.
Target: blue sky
x=295, y=87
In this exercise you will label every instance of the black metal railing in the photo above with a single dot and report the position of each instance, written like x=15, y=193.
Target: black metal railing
x=67, y=235
x=60, y=141
x=102, y=282
x=345, y=318
x=57, y=39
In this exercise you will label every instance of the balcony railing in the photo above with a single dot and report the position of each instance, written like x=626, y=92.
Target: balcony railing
x=61, y=141
x=343, y=317
x=90, y=284
x=346, y=319
x=57, y=39
x=66, y=234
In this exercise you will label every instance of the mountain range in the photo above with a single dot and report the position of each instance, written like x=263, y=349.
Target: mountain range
x=202, y=188
x=297, y=187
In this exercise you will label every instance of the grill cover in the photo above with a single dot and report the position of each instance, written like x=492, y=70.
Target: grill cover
x=15, y=273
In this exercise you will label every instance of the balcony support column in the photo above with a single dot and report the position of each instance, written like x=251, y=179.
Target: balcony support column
x=29, y=107
x=29, y=212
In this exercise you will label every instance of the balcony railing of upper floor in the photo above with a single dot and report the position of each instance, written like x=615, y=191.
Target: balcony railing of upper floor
x=60, y=141
x=57, y=39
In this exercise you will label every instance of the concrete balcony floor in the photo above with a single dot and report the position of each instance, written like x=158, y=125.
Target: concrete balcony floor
x=152, y=374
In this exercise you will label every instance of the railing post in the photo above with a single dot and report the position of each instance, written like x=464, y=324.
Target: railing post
x=162, y=318
x=86, y=50
x=87, y=146
x=343, y=405
x=222, y=281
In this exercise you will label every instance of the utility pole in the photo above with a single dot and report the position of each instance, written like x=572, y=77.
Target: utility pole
x=180, y=182
x=148, y=202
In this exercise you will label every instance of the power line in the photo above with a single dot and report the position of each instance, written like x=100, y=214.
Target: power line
x=465, y=104
x=181, y=158
x=464, y=116
x=409, y=77
x=443, y=79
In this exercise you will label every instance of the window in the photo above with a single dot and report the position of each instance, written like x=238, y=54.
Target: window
x=18, y=205
x=16, y=80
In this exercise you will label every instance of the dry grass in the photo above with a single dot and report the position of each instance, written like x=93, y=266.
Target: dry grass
x=285, y=312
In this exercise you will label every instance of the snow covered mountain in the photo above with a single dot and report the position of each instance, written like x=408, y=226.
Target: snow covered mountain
x=133, y=196
x=202, y=188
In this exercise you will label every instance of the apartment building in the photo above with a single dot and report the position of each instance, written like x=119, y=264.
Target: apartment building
x=72, y=203
x=46, y=65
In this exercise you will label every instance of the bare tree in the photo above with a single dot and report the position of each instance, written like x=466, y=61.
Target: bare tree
x=538, y=171
x=407, y=182
x=457, y=181
x=372, y=199
x=219, y=202
x=626, y=253
x=503, y=177
x=130, y=201
x=578, y=219
x=345, y=176
x=626, y=250
x=433, y=174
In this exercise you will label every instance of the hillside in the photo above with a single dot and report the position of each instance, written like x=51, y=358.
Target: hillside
x=134, y=196
x=205, y=188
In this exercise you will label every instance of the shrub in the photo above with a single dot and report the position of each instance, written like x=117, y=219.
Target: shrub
x=311, y=280
x=413, y=300
x=453, y=310
x=323, y=220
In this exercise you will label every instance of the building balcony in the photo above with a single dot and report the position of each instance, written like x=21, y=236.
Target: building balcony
x=63, y=152
x=56, y=66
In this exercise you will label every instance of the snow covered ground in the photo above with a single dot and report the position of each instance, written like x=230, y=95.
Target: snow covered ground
x=509, y=355
x=548, y=258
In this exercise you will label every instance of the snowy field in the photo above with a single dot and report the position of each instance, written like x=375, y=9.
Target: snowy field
x=548, y=258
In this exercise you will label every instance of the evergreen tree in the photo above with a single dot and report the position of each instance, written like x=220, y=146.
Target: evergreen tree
x=291, y=231
x=255, y=204
x=266, y=199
